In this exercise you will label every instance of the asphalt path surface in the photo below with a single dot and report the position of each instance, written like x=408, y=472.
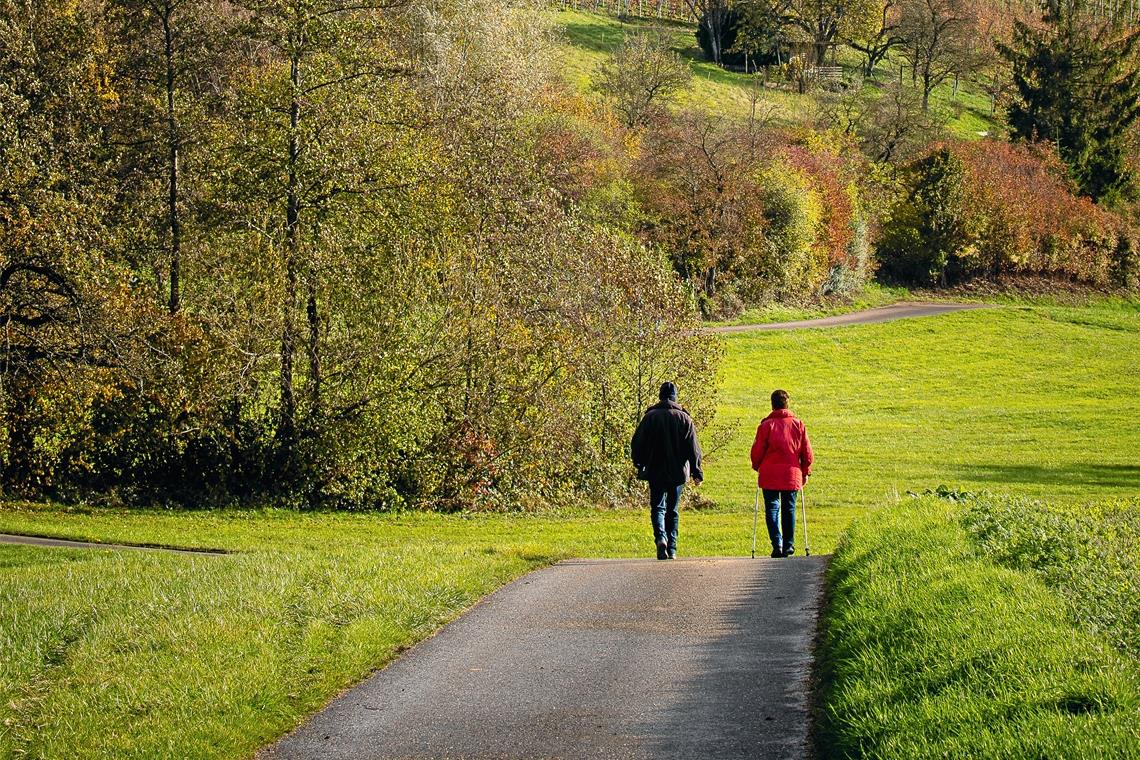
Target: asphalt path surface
x=700, y=658
x=865, y=317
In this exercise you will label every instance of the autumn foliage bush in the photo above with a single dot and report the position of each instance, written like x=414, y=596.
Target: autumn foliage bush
x=989, y=209
x=751, y=214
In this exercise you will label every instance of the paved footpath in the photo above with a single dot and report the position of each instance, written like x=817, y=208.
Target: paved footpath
x=700, y=658
x=905, y=310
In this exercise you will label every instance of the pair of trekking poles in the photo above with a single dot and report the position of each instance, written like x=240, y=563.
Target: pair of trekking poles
x=756, y=518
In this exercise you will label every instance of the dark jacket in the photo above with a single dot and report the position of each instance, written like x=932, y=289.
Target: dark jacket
x=665, y=449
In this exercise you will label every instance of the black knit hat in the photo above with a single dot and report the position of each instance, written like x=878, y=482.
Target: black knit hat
x=668, y=392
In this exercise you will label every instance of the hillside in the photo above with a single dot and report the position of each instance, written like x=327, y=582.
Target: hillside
x=589, y=38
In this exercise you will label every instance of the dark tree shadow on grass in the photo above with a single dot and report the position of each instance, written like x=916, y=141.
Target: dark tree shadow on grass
x=1100, y=475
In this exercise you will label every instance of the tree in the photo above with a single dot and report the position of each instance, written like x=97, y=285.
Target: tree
x=989, y=70
x=889, y=125
x=1078, y=86
x=875, y=41
x=939, y=40
x=698, y=185
x=894, y=126
x=324, y=60
x=931, y=224
x=641, y=74
x=712, y=16
x=763, y=30
x=823, y=22
x=53, y=97
x=171, y=59
x=400, y=184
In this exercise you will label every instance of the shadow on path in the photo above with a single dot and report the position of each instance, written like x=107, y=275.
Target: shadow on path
x=696, y=658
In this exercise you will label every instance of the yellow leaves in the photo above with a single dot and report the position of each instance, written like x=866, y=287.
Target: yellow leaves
x=862, y=18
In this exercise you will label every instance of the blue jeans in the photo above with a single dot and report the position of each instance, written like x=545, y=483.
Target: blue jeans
x=663, y=513
x=777, y=505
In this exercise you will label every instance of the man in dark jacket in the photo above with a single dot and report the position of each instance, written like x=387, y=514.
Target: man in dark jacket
x=666, y=452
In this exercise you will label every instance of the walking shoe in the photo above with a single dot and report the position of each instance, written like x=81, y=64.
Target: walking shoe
x=776, y=554
x=672, y=554
x=662, y=550
x=789, y=551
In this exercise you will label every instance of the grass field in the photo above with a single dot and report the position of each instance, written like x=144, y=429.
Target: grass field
x=111, y=654
x=589, y=38
x=1035, y=401
x=132, y=655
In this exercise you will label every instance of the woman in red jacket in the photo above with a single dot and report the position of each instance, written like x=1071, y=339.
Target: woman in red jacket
x=782, y=456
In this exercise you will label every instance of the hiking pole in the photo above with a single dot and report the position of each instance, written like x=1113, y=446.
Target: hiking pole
x=803, y=509
x=755, y=517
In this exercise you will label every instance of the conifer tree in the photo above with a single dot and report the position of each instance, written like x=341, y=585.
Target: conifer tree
x=1078, y=85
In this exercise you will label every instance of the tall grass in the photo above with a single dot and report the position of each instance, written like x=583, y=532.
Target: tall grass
x=929, y=650
x=1089, y=555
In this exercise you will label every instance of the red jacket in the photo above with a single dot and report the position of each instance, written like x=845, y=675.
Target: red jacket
x=781, y=453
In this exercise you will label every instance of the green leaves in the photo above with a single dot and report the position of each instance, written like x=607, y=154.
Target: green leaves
x=1078, y=87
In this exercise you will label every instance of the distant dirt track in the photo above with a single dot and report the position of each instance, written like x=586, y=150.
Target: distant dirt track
x=866, y=317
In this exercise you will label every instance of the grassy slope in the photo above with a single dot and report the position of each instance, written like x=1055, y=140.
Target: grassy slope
x=930, y=650
x=590, y=38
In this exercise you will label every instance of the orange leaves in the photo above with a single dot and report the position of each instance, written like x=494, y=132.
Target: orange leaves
x=1030, y=218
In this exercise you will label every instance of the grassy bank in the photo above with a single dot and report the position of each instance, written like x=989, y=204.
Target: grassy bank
x=930, y=649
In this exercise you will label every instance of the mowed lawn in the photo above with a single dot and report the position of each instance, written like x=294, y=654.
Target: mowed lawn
x=147, y=654
x=1035, y=401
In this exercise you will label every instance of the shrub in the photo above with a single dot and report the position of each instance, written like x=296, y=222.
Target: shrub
x=929, y=228
x=642, y=74
x=988, y=209
x=789, y=259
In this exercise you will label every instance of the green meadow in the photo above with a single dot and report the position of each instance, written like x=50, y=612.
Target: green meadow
x=149, y=654
x=1033, y=401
